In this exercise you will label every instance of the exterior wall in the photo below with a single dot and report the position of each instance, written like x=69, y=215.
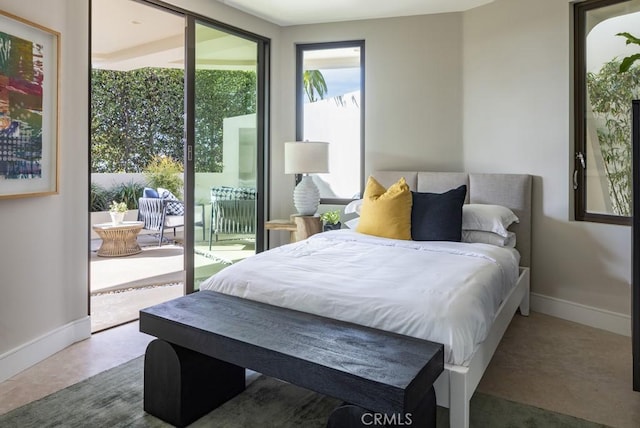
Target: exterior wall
x=109, y=180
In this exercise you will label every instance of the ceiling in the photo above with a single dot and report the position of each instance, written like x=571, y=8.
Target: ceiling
x=128, y=35
x=296, y=12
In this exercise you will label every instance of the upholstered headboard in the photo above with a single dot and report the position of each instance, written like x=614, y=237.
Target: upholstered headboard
x=510, y=190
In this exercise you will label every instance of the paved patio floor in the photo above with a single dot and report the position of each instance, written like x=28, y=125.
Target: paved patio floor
x=121, y=286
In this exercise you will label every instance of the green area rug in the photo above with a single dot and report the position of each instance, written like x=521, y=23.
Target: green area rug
x=114, y=399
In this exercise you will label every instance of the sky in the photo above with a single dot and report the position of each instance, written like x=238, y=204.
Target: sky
x=341, y=81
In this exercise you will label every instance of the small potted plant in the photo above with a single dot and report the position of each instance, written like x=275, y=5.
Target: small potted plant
x=331, y=220
x=117, y=210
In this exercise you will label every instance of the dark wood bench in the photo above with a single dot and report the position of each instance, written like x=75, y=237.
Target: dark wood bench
x=207, y=339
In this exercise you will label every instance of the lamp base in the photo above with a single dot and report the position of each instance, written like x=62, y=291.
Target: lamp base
x=306, y=196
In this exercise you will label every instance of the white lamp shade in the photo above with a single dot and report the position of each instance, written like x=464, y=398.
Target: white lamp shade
x=306, y=157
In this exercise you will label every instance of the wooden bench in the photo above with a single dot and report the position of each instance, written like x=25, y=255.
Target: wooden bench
x=207, y=339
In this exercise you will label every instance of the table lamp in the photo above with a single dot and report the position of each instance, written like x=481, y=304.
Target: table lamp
x=306, y=157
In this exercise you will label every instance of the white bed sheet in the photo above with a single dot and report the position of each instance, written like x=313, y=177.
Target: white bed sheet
x=446, y=292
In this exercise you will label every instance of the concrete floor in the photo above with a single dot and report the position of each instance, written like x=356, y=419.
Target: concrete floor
x=121, y=286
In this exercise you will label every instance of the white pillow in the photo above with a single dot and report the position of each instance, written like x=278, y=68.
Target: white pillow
x=482, y=237
x=353, y=207
x=488, y=218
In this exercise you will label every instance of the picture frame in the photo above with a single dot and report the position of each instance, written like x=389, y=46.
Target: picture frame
x=29, y=82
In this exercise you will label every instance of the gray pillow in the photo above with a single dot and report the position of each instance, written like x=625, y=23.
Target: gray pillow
x=488, y=218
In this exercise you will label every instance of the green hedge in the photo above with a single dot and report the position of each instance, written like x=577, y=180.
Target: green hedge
x=138, y=114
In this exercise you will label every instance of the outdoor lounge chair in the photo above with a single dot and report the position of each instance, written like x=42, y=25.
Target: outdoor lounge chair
x=153, y=212
x=233, y=211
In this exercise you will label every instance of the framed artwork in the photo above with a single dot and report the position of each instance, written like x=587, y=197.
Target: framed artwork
x=29, y=56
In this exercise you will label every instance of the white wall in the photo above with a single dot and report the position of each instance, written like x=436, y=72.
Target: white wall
x=517, y=119
x=108, y=180
x=43, y=258
x=413, y=94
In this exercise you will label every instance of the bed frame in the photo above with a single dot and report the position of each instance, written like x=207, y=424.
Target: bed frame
x=456, y=384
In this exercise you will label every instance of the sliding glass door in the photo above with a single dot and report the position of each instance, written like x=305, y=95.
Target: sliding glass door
x=224, y=149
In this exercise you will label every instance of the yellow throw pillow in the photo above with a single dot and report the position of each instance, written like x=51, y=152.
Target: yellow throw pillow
x=386, y=212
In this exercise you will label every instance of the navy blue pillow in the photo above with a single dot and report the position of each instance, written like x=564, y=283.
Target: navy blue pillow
x=149, y=192
x=438, y=216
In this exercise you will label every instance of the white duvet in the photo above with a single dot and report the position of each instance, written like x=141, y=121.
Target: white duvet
x=446, y=292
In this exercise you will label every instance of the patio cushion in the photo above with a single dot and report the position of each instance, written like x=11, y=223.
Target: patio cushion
x=173, y=221
x=225, y=193
x=150, y=192
x=173, y=208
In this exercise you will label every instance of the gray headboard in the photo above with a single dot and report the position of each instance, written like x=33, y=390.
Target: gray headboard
x=510, y=190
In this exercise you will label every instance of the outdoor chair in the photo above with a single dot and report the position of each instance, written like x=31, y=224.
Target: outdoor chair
x=233, y=211
x=153, y=212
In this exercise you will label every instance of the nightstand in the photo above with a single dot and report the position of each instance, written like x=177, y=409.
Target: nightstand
x=299, y=226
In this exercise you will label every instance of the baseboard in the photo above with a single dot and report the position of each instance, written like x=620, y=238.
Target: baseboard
x=23, y=357
x=582, y=314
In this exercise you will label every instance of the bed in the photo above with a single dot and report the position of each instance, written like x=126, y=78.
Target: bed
x=372, y=281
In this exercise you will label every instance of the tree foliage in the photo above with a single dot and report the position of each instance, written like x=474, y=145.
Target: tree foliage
x=313, y=82
x=139, y=114
x=627, y=62
x=135, y=115
x=219, y=95
x=165, y=172
x=610, y=93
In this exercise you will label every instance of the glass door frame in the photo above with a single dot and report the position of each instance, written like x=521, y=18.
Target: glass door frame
x=262, y=113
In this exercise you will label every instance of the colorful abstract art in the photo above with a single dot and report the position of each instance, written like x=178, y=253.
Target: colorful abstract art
x=21, y=76
x=28, y=107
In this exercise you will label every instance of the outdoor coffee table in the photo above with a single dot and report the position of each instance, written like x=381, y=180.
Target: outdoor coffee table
x=119, y=240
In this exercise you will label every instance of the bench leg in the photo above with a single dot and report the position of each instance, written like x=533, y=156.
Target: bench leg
x=181, y=386
x=351, y=416
x=424, y=415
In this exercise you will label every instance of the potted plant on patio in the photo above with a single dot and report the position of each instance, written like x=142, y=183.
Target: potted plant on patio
x=331, y=220
x=117, y=210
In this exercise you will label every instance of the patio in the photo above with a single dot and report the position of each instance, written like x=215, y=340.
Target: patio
x=121, y=286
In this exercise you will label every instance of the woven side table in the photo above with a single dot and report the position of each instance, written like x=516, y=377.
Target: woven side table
x=118, y=240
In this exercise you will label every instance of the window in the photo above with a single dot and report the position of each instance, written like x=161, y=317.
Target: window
x=330, y=107
x=603, y=93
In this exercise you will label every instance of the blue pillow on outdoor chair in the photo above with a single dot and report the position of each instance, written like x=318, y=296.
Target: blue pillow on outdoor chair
x=149, y=192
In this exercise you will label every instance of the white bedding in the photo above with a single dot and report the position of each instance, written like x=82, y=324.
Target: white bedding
x=446, y=292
